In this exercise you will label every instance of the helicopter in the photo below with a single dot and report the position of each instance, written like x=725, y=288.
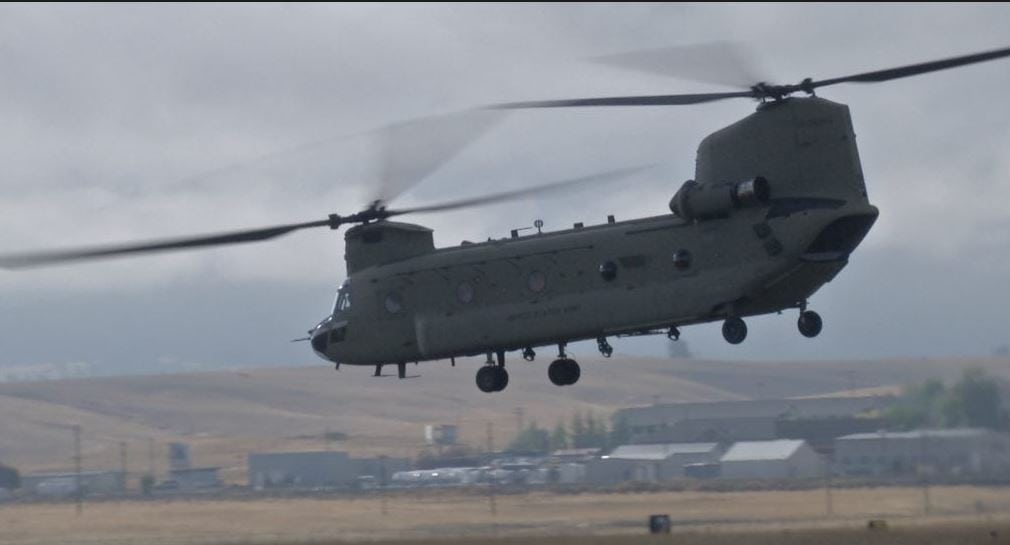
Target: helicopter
x=777, y=205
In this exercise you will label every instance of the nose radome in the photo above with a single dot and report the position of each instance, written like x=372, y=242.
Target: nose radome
x=319, y=341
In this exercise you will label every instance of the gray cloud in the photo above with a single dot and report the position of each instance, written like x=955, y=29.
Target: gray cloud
x=142, y=121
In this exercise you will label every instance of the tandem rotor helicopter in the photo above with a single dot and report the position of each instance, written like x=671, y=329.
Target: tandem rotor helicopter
x=777, y=204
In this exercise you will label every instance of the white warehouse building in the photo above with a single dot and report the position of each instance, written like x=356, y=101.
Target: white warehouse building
x=778, y=459
x=650, y=462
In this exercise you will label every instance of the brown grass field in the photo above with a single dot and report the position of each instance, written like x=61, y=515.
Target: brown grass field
x=225, y=415
x=959, y=515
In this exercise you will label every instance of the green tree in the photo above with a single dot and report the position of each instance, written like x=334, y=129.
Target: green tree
x=559, y=437
x=578, y=434
x=920, y=406
x=147, y=484
x=531, y=439
x=974, y=401
x=592, y=431
x=9, y=477
x=620, y=432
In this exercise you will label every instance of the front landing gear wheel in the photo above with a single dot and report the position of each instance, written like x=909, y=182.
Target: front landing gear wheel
x=810, y=324
x=492, y=378
x=734, y=330
x=564, y=372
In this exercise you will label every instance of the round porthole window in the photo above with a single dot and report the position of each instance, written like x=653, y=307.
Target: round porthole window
x=608, y=270
x=537, y=281
x=682, y=260
x=464, y=292
x=394, y=303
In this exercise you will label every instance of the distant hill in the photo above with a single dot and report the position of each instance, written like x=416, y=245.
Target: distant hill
x=224, y=415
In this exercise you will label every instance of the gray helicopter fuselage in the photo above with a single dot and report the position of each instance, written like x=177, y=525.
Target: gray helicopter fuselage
x=719, y=255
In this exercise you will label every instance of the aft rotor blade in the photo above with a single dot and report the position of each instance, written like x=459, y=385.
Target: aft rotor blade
x=519, y=194
x=722, y=63
x=19, y=261
x=915, y=69
x=649, y=100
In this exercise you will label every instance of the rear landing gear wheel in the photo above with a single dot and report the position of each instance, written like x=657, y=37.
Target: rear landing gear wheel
x=564, y=372
x=810, y=324
x=734, y=330
x=492, y=378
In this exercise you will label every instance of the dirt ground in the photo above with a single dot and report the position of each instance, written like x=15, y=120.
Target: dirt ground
x=964, y=514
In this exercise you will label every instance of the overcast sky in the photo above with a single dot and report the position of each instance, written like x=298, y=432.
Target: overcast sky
x=125, y=122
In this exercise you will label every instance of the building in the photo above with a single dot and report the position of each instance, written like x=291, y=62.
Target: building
x=953, y=451
x=65, y=483
x=713, y=430
x=301, y=470
x=575, y=455
x=650, y=462
x=820, y=433
x=380, y=468
x=441, y=434
x=194, y=478
x=747, y=420
x=324, y=469
x=778, y=459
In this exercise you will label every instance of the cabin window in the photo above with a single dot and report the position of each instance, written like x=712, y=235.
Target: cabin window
x=338, y=335
x=682, y=259
x=343, y=300
x=537, y=281
x=394, y=303
x=608, y=270
x=464, y=292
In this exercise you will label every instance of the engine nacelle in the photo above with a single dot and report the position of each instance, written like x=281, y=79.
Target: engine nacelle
x=694, y=201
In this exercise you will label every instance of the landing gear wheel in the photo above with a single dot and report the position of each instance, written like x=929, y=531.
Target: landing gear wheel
x=573, y=372
x=502, y=378
x=734, y=330
x=556, y=372
x=491, y=378
x=564, y=372
x=809, y=324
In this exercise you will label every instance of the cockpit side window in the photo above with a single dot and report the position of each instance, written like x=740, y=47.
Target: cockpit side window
x=343, y=302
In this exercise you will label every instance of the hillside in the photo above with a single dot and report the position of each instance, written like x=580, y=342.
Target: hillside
x=224, y=415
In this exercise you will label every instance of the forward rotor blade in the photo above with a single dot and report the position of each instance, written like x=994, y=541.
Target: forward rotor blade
x=410, y=151
x=915, y=69
x=722, y=63
x=20, y=261
x=521, y=193
x=650, y=100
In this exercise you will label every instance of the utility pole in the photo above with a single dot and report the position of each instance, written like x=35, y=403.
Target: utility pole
x=492, y=479
x=926, y=505
x=520, y=413
x=78, y=488
x=382, y=485
x=150, y=457
x=122, y=462
x=829, y=507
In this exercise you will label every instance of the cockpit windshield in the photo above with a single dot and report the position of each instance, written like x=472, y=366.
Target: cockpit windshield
x=343, y=301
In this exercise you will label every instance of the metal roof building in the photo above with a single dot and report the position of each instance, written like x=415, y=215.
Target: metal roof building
x=779, y=459
x=743, y=420
x=651, y=462
x=301, y=470
x=963, y=450
x=65, y=483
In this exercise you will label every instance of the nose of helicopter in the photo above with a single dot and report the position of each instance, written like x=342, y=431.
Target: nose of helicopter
x=319, y=337
x=319, y=341
x=326, y=336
